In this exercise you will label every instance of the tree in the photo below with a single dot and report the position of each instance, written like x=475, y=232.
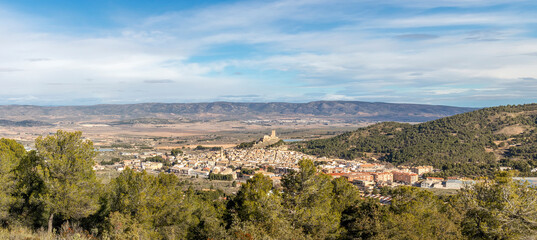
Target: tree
x=30, y=186
x=419, y=214
x=176, y=151
x=500, y=209
x=70, y=182
x=258, y=211
x=10, y=154
x=133, y=199
x=345, y=194
x=155, y=207
x=309, y=197
x=364, y=220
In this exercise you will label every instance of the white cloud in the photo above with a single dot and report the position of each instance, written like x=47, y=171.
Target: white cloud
x=360, y=56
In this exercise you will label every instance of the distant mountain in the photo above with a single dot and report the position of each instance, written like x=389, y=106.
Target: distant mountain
x=344, y=110
x=469, y=144
x=25, y=123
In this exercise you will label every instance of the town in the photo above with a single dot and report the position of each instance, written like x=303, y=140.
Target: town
x=234, y=164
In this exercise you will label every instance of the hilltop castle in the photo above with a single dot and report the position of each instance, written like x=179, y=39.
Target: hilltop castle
x=267, y=140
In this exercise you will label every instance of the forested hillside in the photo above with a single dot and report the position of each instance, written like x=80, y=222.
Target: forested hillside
x=55, y=188
x=470, y=144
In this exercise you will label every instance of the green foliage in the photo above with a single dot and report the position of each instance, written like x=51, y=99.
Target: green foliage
x=216, y=176
x=202, y=148
x=111, y=161
x=30, y=186
x=246, y=145
x=247, y=171
x=259, y=212
x=176, y=151
x=121, y=145
x=70, y=184
x=56, y=182
x=159, y=159
x=364, y=220
x=419, y=214
x=156, y=207
x=500, y=209
x=310, y=198
x=276, y=144
x=10, y=155
x=345, y=194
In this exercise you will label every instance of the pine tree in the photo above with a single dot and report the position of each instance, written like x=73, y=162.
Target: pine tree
x=10, y=154
x=70, y=182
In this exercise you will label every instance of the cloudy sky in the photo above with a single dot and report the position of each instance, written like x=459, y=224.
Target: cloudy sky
x=451, y=52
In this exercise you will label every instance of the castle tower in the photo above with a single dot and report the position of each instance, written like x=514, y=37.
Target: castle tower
x=273, y=135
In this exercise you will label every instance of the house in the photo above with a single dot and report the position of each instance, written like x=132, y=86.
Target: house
x=364, y=185
x=370, y=167
x=199, y=173
x=404, y=177
x=420, y=170
x=180, y=170
x=151, y=165
x=454, y=184
x=431, y=183
x=383, y=177
x=229, y=171
x=354, y=176
x=359, y=176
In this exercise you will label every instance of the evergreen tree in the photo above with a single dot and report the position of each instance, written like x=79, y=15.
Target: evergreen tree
x=500, y=209
x=30, y=186
x=259, y=211
x=69, y=179
x=10, y=154
x=309, y=196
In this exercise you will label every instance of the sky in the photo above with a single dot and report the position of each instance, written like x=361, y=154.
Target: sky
x=473, y=53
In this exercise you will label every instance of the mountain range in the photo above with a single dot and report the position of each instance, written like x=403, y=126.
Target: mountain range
x=342, y=110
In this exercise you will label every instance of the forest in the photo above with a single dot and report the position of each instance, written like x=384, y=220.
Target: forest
x=53, y=193
x=470, y=144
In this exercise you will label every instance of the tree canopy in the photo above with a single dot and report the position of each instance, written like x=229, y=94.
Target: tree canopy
x=55, y=185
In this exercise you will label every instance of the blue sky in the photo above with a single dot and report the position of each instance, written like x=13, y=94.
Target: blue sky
x=451, y=52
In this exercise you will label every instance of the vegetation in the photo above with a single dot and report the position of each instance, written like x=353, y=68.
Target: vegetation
x=159, y=159
x=111, y=161
x=55, y=187
x=121, y=145
x=176, y=151
x=202, y=148
x=246, y=145
x=276, y=144
x=65, y=171
x=468, y=144
x=216, y=176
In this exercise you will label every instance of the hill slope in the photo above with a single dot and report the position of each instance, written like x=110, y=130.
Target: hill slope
x=473, y=143
x=25, y=123
x=344, y=110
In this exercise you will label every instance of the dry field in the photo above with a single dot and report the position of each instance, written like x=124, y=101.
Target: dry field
x=166, y=136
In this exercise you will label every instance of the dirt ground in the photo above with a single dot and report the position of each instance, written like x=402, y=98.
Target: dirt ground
x=166, y=136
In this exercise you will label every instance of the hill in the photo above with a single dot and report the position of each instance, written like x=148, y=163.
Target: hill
x=24, y=123
x=469, y=144
x=341, y=110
